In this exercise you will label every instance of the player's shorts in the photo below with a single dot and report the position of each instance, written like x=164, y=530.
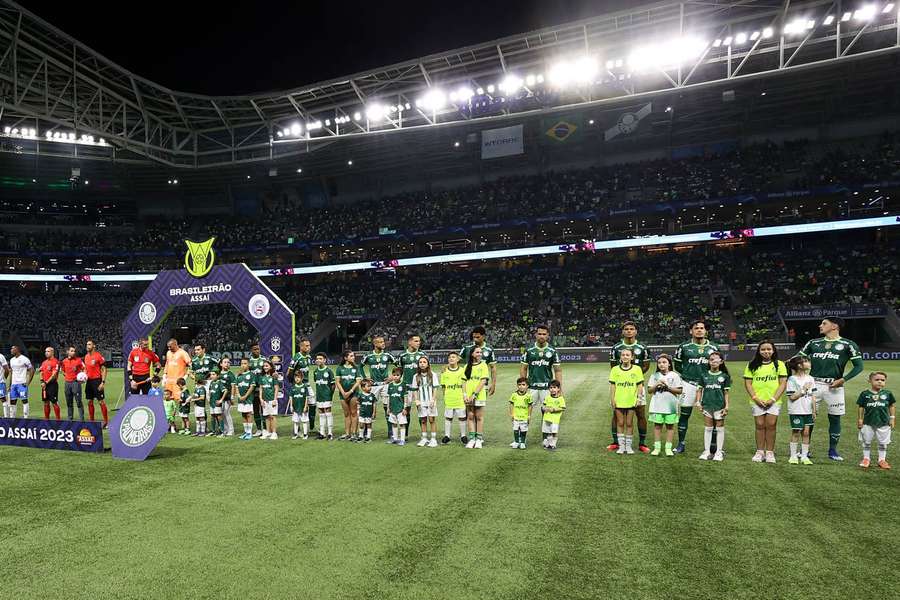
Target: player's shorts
x=717, y=415
x=869, y=433
x=834, y=398
x=775, y=409
x=457, y=413
x=323, y=405
x=799, y=422
x=3, y=389
x=270, y=408
x=426, y=411
x=365, y=420
x=92, y=390
x=479, y=403
x=398, y=419
x=663, y=418
x=18, y=391
x=538, y=397
x=200, y=412
x=549, y=427
x=688, y=394
x=51, y=392
x=215, y=410
x=245, y=408
x=379, y=390
x=184, y=410
x=520, y=425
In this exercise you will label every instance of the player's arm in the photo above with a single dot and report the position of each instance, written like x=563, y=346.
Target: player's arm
x=748, y=385
x=727, y=394
x=676, y=360
x=30, y=373
x=493, y=387
x=640, y=389
x=860, y=414
x=523, y=367
x=856, y=370
x=557, y=368
x=277, y=389
x=782, y=385
x=103, y=371
x=612, y=394
x=892, y=411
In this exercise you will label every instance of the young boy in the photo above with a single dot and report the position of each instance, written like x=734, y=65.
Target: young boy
x=452, y=382
x=299, y=400
x=367, y=406
x=199, y=398
x=218, y=393
x=396, y=406
x=800, y=391
x=520, y=402
x=170, y=408
x=184, y=406
x=554, y=405
x=244, y=393
x=875, y=419
x=154, y=387
x=324, y=382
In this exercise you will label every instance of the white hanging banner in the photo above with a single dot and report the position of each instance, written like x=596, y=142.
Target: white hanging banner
x=506, y=141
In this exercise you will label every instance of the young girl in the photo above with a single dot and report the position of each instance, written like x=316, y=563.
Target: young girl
x=712, y=397
x=765, y=379
x=268, y=394
x=426, y=383
x=244, y=388
x=475, y=379
x=666, y=386
x=626, y=384
x=348, y=377
x=451, y=381
x=801, y=389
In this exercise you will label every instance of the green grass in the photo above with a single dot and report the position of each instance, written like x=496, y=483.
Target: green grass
x=211, y=518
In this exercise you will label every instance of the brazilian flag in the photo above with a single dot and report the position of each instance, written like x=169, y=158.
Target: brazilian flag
x=563, y=128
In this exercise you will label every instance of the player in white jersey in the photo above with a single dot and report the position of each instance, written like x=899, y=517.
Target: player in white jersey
x=22, y=373
x=4, y=375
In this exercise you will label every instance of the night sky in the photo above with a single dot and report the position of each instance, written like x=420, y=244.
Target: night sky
x=260, y=46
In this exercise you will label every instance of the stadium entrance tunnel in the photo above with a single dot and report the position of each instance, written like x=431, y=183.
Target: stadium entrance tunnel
x=269, y=321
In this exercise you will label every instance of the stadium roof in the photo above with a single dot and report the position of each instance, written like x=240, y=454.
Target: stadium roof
x=52, y=87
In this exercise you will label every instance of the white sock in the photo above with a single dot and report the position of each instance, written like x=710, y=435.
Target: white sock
x=628, y=440
x=296, y=428
x=462, y=428
x=305, y=427
x=794, y=449
x=434, y=435
x=882, y=452
x=720, y=439
x=707, y=438
x=620, y=437
x=448, y=427
x=867, y=452
x=402, y=432
x=369, y=432
x=248, y=428
x=322, y=422
x=6, y=410
x=25, y=410
x=330, y=419
x=804, y=450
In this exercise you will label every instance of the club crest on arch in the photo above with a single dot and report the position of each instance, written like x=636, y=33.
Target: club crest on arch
x=199, y=258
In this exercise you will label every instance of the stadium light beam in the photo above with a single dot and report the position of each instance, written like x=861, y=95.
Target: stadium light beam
x=865, y=13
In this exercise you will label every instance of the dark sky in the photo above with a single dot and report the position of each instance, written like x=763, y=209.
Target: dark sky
x=201, y=47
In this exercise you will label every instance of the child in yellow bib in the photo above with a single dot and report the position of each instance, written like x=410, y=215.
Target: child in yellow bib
x=626, y=384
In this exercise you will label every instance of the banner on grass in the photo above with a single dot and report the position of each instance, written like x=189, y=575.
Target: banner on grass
x=137, y=427
x=80, y=436
x=506, y=141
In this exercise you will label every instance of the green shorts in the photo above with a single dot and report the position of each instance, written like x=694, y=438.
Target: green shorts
x=798, y=422
x=663, y=419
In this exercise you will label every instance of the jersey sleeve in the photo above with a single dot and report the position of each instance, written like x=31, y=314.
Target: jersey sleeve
x=861, y=399
x=727, y=381
x=676, y=358
x=748, y=374
x=855, y=354
x=804, y=351
x=891, y=399
x=782, y=369
x=524, y=359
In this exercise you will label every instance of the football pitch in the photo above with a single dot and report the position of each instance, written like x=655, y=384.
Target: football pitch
x=224, y=518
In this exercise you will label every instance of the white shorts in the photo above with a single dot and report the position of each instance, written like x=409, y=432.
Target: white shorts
x=270, y=408
x=688, y=394
x=199, y=412
x=520, y=425
x=458, y=413
x=834, y=398
x=479, y=403
x=775, y=409
x=245, y=408
x=426, y=411
x=548, y=427
x=716, y=416
x=215, y=410
x=869, y=433
x=323, y=405
x=397, y=419
x=379, y=390
x=365, y=420
x=538, y=397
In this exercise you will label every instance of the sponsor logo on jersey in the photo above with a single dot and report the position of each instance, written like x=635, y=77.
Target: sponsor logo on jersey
x=199, y=258
x=826, y=355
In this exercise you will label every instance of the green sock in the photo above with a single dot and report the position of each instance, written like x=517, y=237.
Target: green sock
x=657, y=445
x=614, y=431
x=668, y=445
x=522, y=435
x=683, y=420
x=834, y=431
x=516, y=435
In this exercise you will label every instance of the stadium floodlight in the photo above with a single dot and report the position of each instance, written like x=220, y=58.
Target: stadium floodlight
x=717, y=42
x=299, y=170
x=456, y=144
x=669, y=54
x=490, y=89
x=727, y=41
x=464, y=93
x=7, y=130
x=357, y=116
x=511, y=84
x=610, y=64
x=327, y=122
x=530, y=80
x=540, y=78
x=349, y=163
x=376, y=111
x=434, y=99
x=740, y=38
x=767, y=32
x=846, y=16
x=810, y=24
x=175, y=181
x=48, y=134
x=296, y=129
x=754, y=36
x=72, y=136
x=865, y=13
x=828, y=20
x=15, y=131
x=313, y=126
x=480, y=91
x=887, y=8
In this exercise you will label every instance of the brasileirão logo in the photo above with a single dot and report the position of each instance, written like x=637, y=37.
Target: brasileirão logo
x=199, y=258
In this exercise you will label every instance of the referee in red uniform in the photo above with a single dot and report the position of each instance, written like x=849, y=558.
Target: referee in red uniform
x=95, y=369
x=139, y=361
x=49, y=383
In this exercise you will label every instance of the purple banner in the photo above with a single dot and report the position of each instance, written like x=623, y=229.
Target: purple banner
x=137, y=427
x=80, y=436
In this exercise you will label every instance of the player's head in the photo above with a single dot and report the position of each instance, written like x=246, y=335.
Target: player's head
x=49, y=352
x=629, y=330
x=555, y=387
x=181, y=382
x=366, y=385
x=245, y=365
x=663, y=363
x=478, y=334
x=172, y=344
x=70, y=352
x=766, y=352
x=522, y=384
x=321, y=359
x=225, y=363
x=168, y=394
x=423, y=365
x=275, y=359
x=626, y=356
x=830, y=324
x=213, y=375
x=155, y=380
x=717, y=362
x=878, y=379
x=799, y=364
x=90, y=346
x=378, y=342
x=453, y=359
x=304, y=345
x=254, y=349
x=698, y=329
x=15, y=351
x=267, y=367
x=298, y=377
x=542, y=334
x=414, y=341
x=199, y=349
x=348, y=357
x=143, y=343
x=396, y=373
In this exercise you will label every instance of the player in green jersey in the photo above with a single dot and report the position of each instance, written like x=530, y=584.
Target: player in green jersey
x=199, y=400
x=409, y=362
x=691, y=360
x=303, y=362
x=520, y=413
x=256, y=362
x=454, y=407
x=712, y=397
x=184, y=406
x=348, y=376
x=876, y=418
x=229, y=379
x=380, y=364
x=202, y=364
x=299, y=398
x=540, y=365
x=244, y=392
x=268, y=386
x=323, y=380
x=641, y=361
x=397, y=406
x=765, y=379
x=368, y=404
x=478, y=336
x=829, y=356
x=218, y=394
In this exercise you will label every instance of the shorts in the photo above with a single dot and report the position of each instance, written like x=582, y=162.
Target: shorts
x=51, y=392
x=365, y=420
x=834, y=398
x=538, y=397
x=663, y=418
x=200, y=412
x=185, y=411
x=548, y=427
x=426, y=411
x=215, y=410
x=18, y=391
x=520, y=425
x=869, y=433
x=323, y=405
x=688, y=394
x=3, y=389
x=379, y=390
x=479, y=403
x=270, y=408
x=92, y=390
x=245, y=408
x=715, y=415
x=799, y=422
x=775, y=409
x=399, y=419
x=451, y=413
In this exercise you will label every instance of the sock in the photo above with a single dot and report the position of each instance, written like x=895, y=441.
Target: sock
x=614, y=431
x=867, y=452
x=197, y=426
x=434, y=435
x=628, y=441
x=25, y=410
x=714, y=447
x=463, y=425
x=683, y=420
x=305, y=427
x=657, y=445
x=296, y=427
x=105, y=412
x=369, y=432
x=834, y=431
x=804, y=450
x=248, y=428
x=620, y=439
x=720, y=439
x=329, y=419
x=707, y=438
x=642, y=435
x=516, y=435
x=668, y=445
x=56, y=411
x=882, y=452
x=522, y=436
x=91, y=410
x=46, y=410
x=402, y=432
x=793, y=449
x=448, y=427
x=322, y=423
x=471, y=435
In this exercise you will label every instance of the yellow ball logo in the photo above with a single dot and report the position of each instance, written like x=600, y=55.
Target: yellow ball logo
x=199, y=258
